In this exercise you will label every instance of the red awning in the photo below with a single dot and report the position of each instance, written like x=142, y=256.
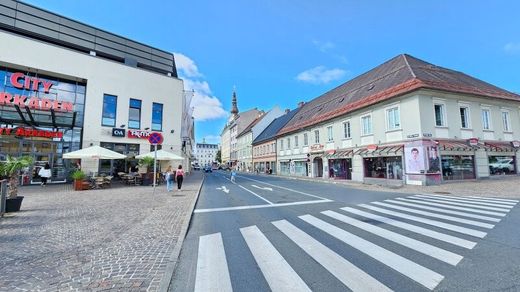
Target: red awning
x=499, y=147
x=341, y=153
x=450, y=145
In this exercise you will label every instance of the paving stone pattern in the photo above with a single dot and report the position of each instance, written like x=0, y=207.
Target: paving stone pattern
x=115, y=239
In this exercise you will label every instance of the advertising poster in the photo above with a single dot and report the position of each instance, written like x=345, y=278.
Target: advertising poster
x=415, y=158
x=433, y=159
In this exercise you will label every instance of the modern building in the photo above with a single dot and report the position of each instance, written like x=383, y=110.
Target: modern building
x=65, y=85
x=206, y=153
x=405, y=121
x=264, y=146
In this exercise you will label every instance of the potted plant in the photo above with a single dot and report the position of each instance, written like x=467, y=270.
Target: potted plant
x=148, y=163
x=78, y=176
x=11, y=169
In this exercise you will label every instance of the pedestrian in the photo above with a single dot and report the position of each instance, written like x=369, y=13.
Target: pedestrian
x=233, y=174
x=169, y=178
x=45, y=173
x=179, y=176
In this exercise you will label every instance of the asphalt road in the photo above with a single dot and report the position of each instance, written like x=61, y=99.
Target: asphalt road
x=265, y=233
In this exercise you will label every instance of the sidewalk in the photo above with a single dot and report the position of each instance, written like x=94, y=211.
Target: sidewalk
x=500, y=186
x=118, y=239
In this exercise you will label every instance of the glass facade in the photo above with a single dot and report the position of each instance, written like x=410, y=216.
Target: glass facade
x=458, y=167
x=113, y=167
x=340, y=168
x=109, y=110
x=502, y=165
x=157, y=116
x=384, y=167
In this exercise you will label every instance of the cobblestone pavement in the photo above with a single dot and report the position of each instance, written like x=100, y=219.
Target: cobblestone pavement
x=118, y=239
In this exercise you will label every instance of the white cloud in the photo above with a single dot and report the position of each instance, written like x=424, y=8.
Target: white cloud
x=512, y=48
x=205, y=105
x=186, y=66
x=212, y=139
x=324, y=47
x=321, y=75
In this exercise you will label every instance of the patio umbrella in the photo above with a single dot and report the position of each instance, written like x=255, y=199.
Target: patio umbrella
x=96, y=152
x=161, y=155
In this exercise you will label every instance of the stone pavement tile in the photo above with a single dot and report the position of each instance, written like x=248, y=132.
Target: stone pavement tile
x=104, y=239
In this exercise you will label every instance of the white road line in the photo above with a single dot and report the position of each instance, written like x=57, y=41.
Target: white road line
x=459, y=199
x=277, y=271
x=350, y=275
x=452, y=207
x=412, y=270
x=212, y=269
x=440, y=216
x=425, y=248
x=475, y=216
x=495, y=199
x=435, y=223
x=284, y=188
x=420, y=230
x=257, y=195
x=259, y=206
x=438, y=200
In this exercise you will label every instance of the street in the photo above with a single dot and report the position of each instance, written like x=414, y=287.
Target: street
x=266, y=233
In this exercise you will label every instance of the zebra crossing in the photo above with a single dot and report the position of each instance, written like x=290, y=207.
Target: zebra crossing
x=406, y=221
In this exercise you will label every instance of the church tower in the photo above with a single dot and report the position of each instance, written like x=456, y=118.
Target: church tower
x=234, y=107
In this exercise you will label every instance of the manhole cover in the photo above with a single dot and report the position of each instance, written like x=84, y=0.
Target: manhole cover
x=442, y=193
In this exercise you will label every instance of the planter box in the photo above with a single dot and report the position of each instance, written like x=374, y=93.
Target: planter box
x=13, y=205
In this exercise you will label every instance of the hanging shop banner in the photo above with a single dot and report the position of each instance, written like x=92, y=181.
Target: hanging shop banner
x=138, y=134
x=21, y=81
x=29, y=132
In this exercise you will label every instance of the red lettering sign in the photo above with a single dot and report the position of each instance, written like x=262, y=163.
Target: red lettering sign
x=27, y=132
x=372, y=147
x=473, y=141
x=138, y=134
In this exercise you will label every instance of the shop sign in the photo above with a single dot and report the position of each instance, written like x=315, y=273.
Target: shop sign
x=330, y=152
x=372, y=147
x=21, y=81
x=515, y=144
x=138, y=134
x=118, y=132
x=473, y=141
x=29, y=132
x=317, y=147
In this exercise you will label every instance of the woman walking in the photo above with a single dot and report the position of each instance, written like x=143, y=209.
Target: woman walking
x=169, y=178
x=45, y=173
x=179, y=176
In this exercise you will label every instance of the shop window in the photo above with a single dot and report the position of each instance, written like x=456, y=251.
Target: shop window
x=134, y=114
x=440, y=118
x=340, y=168
x=285, y=167
x=157, y=116
x=317, y=137
x=458, y=167
x=330, y=134
x=384, y=167
x=502, y=165
x=486, y=119
x=393, y=118
x=464, y=117
x=305, y=139
x=366, y=125
x=506, y=122
x=346, y=130
x=109, y=110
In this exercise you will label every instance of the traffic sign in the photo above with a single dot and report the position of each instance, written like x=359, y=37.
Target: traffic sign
x=155, y=138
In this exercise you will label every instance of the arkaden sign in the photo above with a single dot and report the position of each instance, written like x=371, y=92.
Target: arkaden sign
x=21, y=81
x=29, y=132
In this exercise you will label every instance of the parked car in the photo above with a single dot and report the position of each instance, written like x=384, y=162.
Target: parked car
x=196, y=167
x=207, y=169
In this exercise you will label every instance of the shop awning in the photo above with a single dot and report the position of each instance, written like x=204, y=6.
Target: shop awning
x=341, y=153
x=381, y=150
x=454, y=146
x=499, y=147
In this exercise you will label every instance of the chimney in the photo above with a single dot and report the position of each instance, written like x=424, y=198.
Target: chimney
x=301, y=103
x=287, y=110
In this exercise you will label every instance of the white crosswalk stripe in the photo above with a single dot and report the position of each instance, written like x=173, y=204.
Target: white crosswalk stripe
x=495, y=199
x=443, y=201
x=212, y=269
x=450, y=199
x=424, y=202
x=277, y=272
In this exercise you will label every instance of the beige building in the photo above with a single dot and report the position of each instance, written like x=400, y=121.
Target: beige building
x=405, y=121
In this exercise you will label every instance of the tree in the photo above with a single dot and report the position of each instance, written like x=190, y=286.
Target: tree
x=11, y=168
x=218, y=157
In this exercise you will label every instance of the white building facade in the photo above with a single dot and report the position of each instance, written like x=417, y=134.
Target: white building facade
x=205, y=153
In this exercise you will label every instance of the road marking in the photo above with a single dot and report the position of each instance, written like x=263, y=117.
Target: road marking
x=350, y=275
x=420, y=230
x=446, y=211
x=445, y=217
x=212, y=269
x=284, y=188
x=276, y=270
x=416, y=272
x=425, y=248
x=459, y=204
x=224, y=189
x=259, y=206
x=260, y=197
x=508, y=205
x=452, y=207
x=435, y=223
x=495, y=199
x=262, y=188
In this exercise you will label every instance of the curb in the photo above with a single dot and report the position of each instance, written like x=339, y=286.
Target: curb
x=174, y=257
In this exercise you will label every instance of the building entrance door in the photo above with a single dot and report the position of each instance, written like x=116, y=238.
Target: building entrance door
x=318, y=167
x=44, y=152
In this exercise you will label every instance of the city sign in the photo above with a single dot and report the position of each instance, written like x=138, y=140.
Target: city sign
x=118, y=132
x=138, y=134
x=29, y=132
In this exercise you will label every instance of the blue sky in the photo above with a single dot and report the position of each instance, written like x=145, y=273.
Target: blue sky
x=279, y=52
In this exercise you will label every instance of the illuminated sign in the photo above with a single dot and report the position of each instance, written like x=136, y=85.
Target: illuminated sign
x=21, y=81
x=138, y=134
x=29, y=132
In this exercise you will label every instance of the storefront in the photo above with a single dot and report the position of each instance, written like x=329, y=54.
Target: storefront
x=382, y=162
x=113, y=167
x=501, y=158
x=340, y=167
x=41, y=117
x=458, y=167
x=285, y=167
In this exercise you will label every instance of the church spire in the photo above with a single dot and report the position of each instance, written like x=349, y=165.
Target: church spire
x=234, y=107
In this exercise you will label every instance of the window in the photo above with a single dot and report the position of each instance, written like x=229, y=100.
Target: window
x=464, y=117
x=486, y=119
x=393, y=118
x=296, y=141
x=305, y=139
x=317, y=137
x=134, y=114
x=288, y=143
x=157, y=115
x=346, y=130
x=366, y=125
x=439, y=115
x=330, y=135
x=109, y=110
x=281, y=144
x=505, y=121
